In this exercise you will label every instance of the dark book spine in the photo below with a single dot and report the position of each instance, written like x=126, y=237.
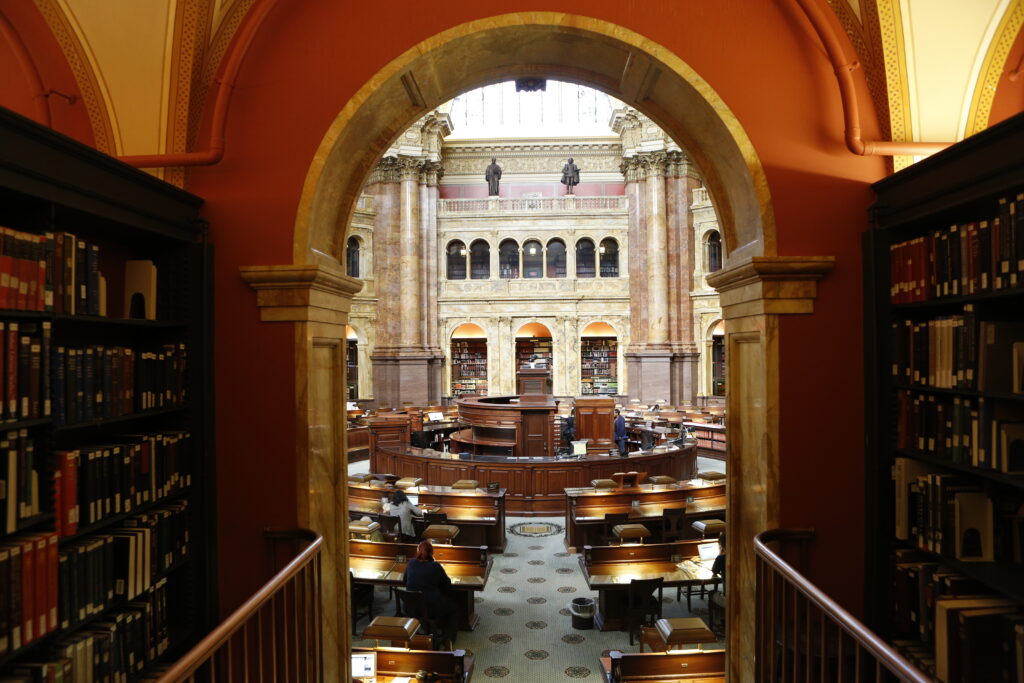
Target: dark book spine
x=81, y=277
x=5, y=598
x=13, y=341
x=71, y=385
x=93, y=293
x=35, y=374
x=24, y=353
x=46, y=358
x=59, y=374
x=89, y=383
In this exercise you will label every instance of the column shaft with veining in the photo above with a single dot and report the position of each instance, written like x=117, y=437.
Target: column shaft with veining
x=410, y=287
x=657, y=251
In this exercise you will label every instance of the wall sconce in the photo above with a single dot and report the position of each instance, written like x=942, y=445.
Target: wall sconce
x=462, y=251
x=600, y=249
x=532, y=250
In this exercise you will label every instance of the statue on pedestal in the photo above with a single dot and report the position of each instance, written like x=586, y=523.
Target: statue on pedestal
x=570, y=176
x=492, y=176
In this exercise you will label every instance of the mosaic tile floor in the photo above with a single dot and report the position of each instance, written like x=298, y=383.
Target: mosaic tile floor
x=525, y=630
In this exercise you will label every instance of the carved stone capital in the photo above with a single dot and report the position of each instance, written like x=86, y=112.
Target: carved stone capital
x=302, y=293
x=431, y=173
x=652, y=164
x=409, y=168
x=386, y=171
x=631, y=170
x=770, y=285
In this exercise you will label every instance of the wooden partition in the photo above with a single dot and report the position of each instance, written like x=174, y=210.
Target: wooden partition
x=388, y=429
x=452, y=667
x=609, y=570
x=634, y=667
x=383, y=564
x=479, y=514
x=594, y=421
x=585, y=508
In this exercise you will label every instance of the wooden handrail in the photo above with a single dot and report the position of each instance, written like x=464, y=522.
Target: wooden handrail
x=208, y=646
x=883, y=653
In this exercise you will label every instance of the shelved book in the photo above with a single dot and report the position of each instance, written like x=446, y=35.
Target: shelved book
x=469, y=367
x=963, y=259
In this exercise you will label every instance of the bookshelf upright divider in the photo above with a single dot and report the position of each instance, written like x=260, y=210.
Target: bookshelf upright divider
x=105, y=427
x=944, y=407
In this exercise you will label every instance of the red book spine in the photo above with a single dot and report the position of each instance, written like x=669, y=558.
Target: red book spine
x=12, y=370
x=40, y=272
x=53, y=582
x=6, y=268
x=42, y=587
x=25, y=274
x=69, y=469
x=28, y=598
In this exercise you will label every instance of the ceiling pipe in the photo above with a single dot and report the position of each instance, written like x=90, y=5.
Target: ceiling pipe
x=225, y=81
x=28, y=68
x=848, y=94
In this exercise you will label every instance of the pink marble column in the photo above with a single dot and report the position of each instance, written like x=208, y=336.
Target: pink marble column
x=409, y=256
x=657, y=252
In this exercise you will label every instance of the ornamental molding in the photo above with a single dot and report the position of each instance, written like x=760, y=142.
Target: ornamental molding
x=302, y=293
x=770, y=285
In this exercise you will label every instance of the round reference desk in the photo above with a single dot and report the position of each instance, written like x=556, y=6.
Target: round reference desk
x=536, y=485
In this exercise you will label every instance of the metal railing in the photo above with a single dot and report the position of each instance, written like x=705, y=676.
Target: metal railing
x=274, y=636
x=527, y=204
x=803, y=635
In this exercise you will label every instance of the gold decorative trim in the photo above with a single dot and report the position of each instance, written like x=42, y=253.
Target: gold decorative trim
x=191, y=32
x=869, y=53
x=890, y=27
x=307, y=293
x=993, y=66
x=214, y=54
x=88, y=83
x=767, y=285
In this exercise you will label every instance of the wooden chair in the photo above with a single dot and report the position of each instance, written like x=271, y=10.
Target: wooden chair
x=643, y=607
x=673, y=524
x=412, y=604
x=362, y=600
x=611, y=520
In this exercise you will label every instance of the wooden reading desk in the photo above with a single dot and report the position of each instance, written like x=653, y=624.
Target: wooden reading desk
x=479, y=514
x=664, y=667
x=609, y=570
x=450, y=667
x=585, y=508
x=383, y=564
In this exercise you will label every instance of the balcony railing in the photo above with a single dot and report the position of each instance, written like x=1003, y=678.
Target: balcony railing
x=274, y=636
x=447, y=207
x=803, y=635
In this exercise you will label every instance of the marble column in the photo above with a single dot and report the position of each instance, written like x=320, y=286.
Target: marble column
x=410, y=253
x=680, y=178
x=315, y=300
x=429, y=177
x=754, y=296
x=657, y=251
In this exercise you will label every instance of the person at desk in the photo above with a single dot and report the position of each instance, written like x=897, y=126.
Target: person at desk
x=402, y=508
x=428, y=577
x=620, y=431
x=569, y=427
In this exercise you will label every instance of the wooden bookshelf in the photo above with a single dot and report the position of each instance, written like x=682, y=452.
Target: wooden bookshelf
x=944, y=300
x=598, y=366
x=105, y=431
x=469, y=367
x=352, y=369
x=527, y=347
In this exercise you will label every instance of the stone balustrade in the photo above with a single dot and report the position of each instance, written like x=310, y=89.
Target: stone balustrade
x=490, y=205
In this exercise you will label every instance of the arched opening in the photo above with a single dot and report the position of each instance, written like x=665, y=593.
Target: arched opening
x=352, y=257
x=456, y=262
x=713, y=247
x=533, y=259
x=508, y=259
x=479, y=260
x=534, y=343
x=351, y=363
x=599, y=366
x=609, y=253
x=468, y=361
x=585, y=258
x=718, y=359
x=588, y=51
x=556, y=258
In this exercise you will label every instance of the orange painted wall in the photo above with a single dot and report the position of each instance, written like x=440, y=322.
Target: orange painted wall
x=770, y=71
x=15, y=93
x=1009, y=98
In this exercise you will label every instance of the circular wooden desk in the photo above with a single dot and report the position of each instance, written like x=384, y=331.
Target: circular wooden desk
x=536, y=485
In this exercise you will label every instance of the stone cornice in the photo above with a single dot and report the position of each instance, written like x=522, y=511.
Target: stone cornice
x=507, y=149
x=302, y=293
x=770, y=285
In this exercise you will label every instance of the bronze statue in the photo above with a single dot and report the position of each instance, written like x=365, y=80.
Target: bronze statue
x=570, y=176
x=492, y=176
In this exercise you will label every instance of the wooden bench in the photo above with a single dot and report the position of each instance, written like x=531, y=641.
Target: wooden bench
x=383, y=564
x=651, y=667
x=609, y=570
x=450, y=667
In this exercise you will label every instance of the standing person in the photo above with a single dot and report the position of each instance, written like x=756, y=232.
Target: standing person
x=425, y=575
x=570, y=176
x=402, y=508
x=492, y=175
x=620, y=431
x=569, y=427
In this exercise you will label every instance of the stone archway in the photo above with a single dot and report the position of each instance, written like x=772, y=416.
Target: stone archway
x=755, y=285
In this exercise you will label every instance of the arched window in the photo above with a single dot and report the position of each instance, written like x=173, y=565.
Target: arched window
x=508, y=259
x=718, y=366
x=585, y=258
x=480, y=260
x=556, y=258
x=456, y=260
x=533, y=259
x=609, y=251
x=352, y=257
x=714, y=251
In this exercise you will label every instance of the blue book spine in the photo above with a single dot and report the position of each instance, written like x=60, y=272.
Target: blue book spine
x=59, y=375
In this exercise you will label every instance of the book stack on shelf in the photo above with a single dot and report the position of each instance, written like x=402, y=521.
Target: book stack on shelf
x=945, y=409
x=535, y=346
x=469, y=367
x=352, y=369
x=104, y=554
x=598, y=366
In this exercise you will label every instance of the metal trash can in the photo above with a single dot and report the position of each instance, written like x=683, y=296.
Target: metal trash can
x=582, y=610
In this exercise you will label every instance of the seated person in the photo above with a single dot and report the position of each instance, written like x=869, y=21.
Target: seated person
x=402, y=508
x=569, y=428
x=425, y=575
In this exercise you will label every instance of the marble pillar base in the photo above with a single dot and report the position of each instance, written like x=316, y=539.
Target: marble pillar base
x=684, y=387
x=404, y=379
x=650, y=375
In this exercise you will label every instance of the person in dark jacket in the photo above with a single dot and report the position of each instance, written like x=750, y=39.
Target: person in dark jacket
x=620, y=431
x=425, y=575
